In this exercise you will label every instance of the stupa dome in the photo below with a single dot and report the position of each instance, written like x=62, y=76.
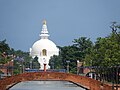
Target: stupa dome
x=41, y=44
x=44, y=48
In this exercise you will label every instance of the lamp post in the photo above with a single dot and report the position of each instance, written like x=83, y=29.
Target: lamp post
x=20, y=68
x=31, y=64
x=22, y=62
x=78, y=67
x=68, y=66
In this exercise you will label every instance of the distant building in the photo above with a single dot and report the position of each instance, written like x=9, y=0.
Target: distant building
x=44, y=48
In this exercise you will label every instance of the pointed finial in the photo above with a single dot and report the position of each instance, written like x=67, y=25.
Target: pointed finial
x=44, y=22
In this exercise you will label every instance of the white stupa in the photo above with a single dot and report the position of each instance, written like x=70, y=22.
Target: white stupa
x=44, y=48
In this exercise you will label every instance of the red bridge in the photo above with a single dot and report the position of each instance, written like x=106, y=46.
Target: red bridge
x=88, y=83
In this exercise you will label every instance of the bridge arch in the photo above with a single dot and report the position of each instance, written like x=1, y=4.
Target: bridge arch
x=86, y=82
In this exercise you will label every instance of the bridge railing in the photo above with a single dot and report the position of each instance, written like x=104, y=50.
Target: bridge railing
x=49, y=70
x=110, y=75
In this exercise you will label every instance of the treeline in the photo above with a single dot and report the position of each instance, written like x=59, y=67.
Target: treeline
x=104, y=52
x=21, y=59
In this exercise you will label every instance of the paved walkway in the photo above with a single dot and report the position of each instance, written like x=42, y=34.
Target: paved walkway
x=46, y=85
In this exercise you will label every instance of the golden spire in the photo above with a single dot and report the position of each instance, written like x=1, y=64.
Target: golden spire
x=44, y=22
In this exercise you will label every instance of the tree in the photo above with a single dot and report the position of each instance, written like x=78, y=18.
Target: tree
x=56, y=62
x=72, y=53
x=4, y=52
x=35, y=63
x=106, y=52
x=83, y=47
x=20, y=58
x=4, y=47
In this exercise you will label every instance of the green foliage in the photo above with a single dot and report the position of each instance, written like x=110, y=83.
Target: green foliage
x=106, y=52
x=16, y=71
x=17, y=68
x=4, y=51
x=35, y=63
x=83, y=46
x=69, y=53
x=4, y=47
x=77, y=51
x=56, y=62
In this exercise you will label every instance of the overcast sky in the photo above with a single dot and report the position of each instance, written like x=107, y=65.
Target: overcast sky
x=21, y=20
